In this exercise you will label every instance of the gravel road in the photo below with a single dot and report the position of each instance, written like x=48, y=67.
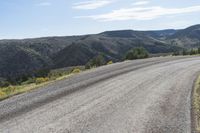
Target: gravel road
x=143, y=96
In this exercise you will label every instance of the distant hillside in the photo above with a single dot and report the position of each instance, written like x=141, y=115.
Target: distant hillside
x=16, y=60
x=113, y=44
x=187, y=38
x=18, y=57
x=161, y=34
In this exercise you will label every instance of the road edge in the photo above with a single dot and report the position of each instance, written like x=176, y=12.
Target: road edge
x=193, y=108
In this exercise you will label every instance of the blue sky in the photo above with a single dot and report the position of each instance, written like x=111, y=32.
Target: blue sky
x=38, y=18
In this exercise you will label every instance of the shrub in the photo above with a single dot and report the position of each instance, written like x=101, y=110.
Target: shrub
x=76, y=70
x=193, y=52
x=184, y=52
x=9, y=90
x=42, y=73
x=110, y=62
x=41, y=80
x=4, y=83
x=2, y=94
x=97, y=61
x=137, y=53
x=198, y=50
x=53, y=78
x=29, y=81
x=88, y=65
x=176, y=53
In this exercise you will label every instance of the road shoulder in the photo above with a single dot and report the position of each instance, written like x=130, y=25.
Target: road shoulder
x=195, y=109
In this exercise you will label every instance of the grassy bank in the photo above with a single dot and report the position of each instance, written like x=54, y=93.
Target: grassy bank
x=6, y=92
x=35, y=83
x=196, y=104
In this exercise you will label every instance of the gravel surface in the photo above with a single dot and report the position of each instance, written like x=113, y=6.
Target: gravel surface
x=142, y=96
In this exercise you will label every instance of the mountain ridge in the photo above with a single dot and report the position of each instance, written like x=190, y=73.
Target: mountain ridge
x=64, y=51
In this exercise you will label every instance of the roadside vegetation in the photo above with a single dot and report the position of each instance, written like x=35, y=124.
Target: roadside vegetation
x=137, y=53
x=97, y=61
x=187, y=52
x=25, y=84
x=44, y=77
x=196, y=104
x=40, y=78
x=133, y=54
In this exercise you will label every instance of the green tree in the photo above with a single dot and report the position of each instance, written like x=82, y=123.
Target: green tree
x=42, y=73
x=99, y=60
x=198, y=50
x=4, y=83
x=193, y=52
x=176, y=53
x=185, y=52
x=137, y=53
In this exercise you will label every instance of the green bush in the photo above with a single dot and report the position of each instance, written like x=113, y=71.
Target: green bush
x=193, y=52
x=41, y=80
x=42, y=73
x=4, y=83
x=29, y=81
x=97, y=61
x=137, y=53
x=176, y=53
x=185, y=52
x=198, y=50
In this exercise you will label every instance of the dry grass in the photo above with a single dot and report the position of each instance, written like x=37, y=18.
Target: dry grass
x=10, y=91
x=110, y=62
x=196, y=104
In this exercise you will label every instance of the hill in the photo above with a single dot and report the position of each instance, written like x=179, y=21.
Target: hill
x=161, y=34
x=26, y=56
x=187, y=38
x=113, y=44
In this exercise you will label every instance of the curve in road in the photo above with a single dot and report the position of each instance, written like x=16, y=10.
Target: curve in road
x=143, y=96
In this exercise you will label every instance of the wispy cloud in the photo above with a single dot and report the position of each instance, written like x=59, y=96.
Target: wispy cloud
x=142, y=13
x=92, y=4
x=44, y=4
x=139, y=3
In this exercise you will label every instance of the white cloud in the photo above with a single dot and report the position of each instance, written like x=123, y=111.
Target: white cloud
x=142, y=13
x=44, y=4
x=139, y=3
x=92, y=4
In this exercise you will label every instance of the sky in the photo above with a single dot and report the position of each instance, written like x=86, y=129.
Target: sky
x=39, y=18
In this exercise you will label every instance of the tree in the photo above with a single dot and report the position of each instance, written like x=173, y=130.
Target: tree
x=176, y=53
x=4, y=83
x=42, y=73
x=137, y=53
x=193, y=52
x=198, y=50
x=99, y=60
x=185, y=52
